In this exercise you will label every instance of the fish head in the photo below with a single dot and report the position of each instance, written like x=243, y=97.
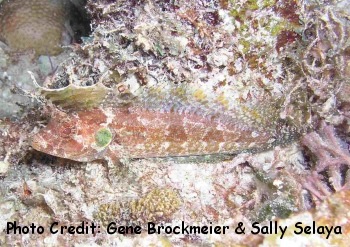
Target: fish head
x=81, y=136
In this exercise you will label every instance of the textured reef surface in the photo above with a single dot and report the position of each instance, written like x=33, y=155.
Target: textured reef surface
x=33, y=24
x=207, y=112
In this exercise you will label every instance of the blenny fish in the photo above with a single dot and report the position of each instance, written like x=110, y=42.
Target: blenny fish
x=160, y=130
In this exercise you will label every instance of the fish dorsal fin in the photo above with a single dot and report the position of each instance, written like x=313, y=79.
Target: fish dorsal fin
x=73, y=97
x=201, y=100
x=76, y=97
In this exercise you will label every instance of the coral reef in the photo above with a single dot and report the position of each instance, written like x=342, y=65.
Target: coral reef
x=330, y=150
x=322, y=60
x=249, y=99
x=14, y=137
x=42, y=26
x=158, y=205
x=332, y=212
x=35, y=25
x=34, y=31
x=332, y=162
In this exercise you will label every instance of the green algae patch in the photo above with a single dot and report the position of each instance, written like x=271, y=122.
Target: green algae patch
x=103, y=137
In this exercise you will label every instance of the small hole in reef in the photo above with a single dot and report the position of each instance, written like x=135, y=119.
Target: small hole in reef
x=79, y=20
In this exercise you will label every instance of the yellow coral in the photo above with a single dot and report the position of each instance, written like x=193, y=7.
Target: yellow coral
x=157, y=205
x=108, y=212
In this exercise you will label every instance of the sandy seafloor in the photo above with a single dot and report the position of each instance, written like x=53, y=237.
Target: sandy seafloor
x=301, y=47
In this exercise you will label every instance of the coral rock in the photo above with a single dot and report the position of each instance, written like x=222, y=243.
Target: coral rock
x=158, y=205
x=37, y=25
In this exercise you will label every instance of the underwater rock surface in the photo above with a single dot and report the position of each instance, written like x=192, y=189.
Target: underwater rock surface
x=39, y=25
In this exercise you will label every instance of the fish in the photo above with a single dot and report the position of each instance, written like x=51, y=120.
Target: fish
x=137, y=131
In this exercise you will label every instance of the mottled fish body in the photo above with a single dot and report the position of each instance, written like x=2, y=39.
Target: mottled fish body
x=136, y=132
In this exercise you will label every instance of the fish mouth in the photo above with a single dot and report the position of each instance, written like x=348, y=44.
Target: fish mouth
x=40, y=144
x=81, y=157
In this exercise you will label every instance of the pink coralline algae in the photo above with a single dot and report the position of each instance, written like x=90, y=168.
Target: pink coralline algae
x=332, y=155
x=328, y=148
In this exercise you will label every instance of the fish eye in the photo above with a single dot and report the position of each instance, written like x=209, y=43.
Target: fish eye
x=103, y=137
